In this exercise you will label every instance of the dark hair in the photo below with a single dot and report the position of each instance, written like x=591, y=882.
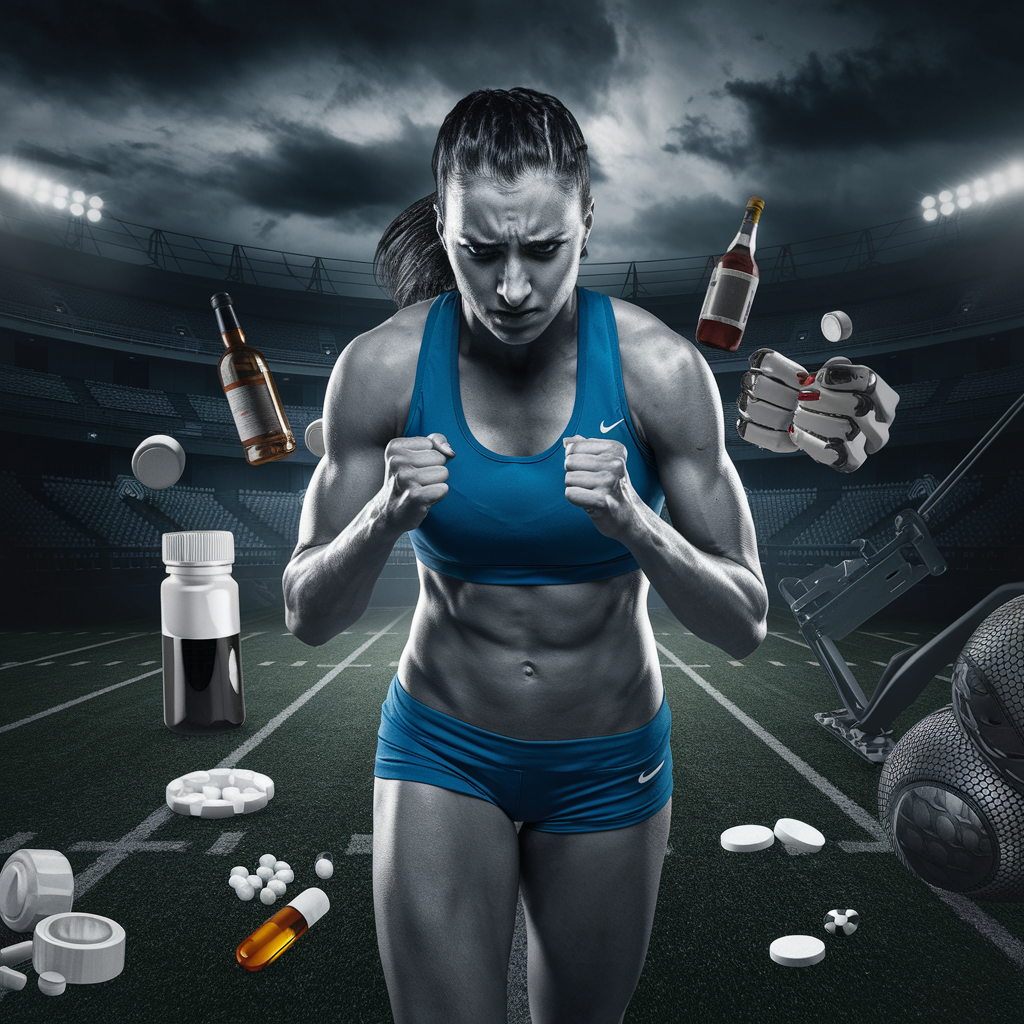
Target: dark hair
x=498, y=132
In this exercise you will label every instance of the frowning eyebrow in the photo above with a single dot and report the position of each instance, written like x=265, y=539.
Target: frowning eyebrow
x=486, y=244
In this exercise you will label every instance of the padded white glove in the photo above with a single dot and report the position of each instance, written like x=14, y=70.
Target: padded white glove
x=838, y=415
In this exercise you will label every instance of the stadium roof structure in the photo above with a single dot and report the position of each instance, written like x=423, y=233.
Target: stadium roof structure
x=231, y=262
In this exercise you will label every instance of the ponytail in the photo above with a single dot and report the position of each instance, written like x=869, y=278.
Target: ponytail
x=410, y=263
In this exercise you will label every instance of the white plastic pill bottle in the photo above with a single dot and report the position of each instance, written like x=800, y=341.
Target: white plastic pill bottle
x=200, y=625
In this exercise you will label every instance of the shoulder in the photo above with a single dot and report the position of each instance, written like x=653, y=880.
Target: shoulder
x=374, y=376
x=669, y=385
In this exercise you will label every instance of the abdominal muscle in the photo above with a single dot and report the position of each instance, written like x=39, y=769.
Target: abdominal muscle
x=546, y=662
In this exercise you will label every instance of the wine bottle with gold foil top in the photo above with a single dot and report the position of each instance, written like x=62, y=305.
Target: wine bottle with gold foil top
x=255, y=404
x=723, y=317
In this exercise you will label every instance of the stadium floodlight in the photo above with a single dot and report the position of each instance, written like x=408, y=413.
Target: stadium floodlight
x=78, y=196
x=25, y=184
x=95, y=202
x=981, y=195
x=9, y=178
x=946, y=209
x=59, y=202
x=77, y=209
x=931, y=213
x=963, y=190
x=61, y=190
x=964, y=202
x=93, y=215
x=945, y=196
x=928, y=202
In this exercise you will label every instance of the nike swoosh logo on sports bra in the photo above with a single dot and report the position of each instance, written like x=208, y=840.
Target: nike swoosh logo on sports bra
x=604, y=429
x=646, y=777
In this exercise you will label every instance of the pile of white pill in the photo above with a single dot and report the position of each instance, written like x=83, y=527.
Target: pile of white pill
x=220, y=792
x=269, y=880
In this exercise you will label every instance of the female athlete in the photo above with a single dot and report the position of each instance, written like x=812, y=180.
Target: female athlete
x=527, y=432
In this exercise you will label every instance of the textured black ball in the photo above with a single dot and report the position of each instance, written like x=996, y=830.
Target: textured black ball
x=988, y=690
x=949, y=816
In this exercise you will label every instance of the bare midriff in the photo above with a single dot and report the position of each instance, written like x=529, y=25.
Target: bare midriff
x=535, y=662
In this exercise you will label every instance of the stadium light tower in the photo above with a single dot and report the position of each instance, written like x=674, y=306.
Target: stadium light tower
x=50, y=194
x=948, y=201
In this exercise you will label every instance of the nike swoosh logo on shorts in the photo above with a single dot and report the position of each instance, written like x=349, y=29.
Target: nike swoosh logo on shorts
x=646, y=777
x=604, y=429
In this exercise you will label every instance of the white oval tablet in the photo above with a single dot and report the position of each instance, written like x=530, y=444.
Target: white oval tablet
x=158, y=462
x=806, y=838
x=747, y=838
x=315, y=438
x=836, y=326
x=51, y=983
x=797, y=950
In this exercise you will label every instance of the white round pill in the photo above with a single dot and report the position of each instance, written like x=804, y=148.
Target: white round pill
x=240, y=870
x=211, y=792
x=287, y=876
x=268, y=860
x=314, y=438
x=256, y=882
x=245, y=891
x=158, y=462
x=51, y=983
x=236, y=880
x=268, y=896
x=277, y=886
x=282, y=865
x=265, y=873
x=324, y=866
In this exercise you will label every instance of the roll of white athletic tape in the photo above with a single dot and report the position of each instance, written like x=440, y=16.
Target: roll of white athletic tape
x=34, y=884
x=84, y=948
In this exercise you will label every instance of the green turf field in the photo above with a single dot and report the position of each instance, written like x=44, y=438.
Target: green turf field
x=85, y=758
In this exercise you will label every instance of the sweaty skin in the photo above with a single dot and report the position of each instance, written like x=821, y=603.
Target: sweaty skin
x=533, y=662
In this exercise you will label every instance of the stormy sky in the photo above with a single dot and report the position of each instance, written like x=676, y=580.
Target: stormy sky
x=309, y=126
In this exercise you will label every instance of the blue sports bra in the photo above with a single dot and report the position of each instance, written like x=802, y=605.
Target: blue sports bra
x=505, y=518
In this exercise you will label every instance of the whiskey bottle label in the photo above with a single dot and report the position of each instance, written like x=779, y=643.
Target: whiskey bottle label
x=729, y=297
x=252, y=408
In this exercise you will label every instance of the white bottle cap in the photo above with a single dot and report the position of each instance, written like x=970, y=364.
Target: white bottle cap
x=198, y=547
x=312, y=904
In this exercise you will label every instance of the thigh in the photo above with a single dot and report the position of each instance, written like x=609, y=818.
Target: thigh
x=445, y=886
x=589, y=899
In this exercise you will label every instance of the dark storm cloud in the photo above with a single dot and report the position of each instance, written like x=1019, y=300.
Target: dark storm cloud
x=935, y=72
x=67, y=161
x=310, y=171
x=184, y=48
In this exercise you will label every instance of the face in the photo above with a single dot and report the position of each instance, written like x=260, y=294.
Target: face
x=515, y=251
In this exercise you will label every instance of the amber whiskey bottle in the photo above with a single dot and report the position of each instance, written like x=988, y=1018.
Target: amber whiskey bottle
x=723, y=317
x=252, y=395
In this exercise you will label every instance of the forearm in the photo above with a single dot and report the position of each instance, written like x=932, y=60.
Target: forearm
x=327, y=587
x=720, y=600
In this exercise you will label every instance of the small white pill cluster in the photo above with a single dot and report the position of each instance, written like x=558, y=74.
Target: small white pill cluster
x=270, y=879
x=220, y=793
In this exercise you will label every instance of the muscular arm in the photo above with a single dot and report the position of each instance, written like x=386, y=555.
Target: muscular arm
x=367, y=490
x=704, y=565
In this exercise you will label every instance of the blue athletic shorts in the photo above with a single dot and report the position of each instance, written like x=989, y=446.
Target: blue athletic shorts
x=583, y=785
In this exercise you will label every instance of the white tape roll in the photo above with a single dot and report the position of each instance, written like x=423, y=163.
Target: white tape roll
x=34, y=884
x=84, y=948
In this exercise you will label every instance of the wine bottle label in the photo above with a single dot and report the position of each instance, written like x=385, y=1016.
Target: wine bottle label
x=252, y=407
x=729, y=297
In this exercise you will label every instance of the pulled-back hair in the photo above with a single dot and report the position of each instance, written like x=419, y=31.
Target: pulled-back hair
x=496, y=132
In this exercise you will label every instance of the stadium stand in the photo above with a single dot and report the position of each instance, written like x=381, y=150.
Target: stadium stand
x=29, y=524
x=996, y=523
x=17, y=381
x=100, y=508
x=196, y=508
x=280, y=510
x=974, y=386
x=118, y=396
x=859, y=508
x=772, y=510
x=210, y=409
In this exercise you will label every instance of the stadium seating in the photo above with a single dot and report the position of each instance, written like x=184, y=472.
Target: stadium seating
x=196, y=508
x=30, y=524
x=99, y=507
x=772, y=510
x=17, y=381
x=117, y=396
x=996, y=523
x=859, y=508
x=280, y=510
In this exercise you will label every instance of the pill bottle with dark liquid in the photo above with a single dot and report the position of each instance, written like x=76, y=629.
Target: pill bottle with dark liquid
x=252, y=395
x=200, y=627
x=730, y=294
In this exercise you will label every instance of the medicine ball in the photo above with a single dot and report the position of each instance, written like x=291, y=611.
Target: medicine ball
x=951, y=819
x=988, y=690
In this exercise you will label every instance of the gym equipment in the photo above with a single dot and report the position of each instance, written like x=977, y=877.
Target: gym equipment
x=952, y=820
x=836, y=599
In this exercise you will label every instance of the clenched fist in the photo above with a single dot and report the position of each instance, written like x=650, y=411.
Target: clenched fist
x=415, y=477
x=596, y=480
